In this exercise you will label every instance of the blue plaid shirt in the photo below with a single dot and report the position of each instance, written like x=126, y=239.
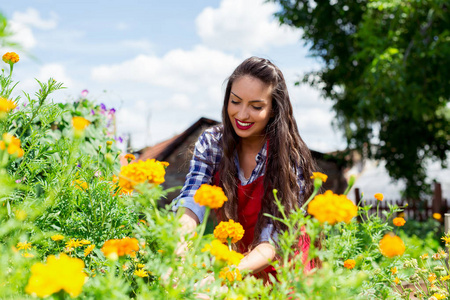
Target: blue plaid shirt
x=205, y=163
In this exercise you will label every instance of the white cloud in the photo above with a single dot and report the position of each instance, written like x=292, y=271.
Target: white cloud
x=32, y=17
x=21, y=25
x=180, y=70
x=22, y=35
x=246, y=25
x=55, y=71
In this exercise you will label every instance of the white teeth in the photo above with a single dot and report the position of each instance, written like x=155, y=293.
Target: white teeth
x=243, y=124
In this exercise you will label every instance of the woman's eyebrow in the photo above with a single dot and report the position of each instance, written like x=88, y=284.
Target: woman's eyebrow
x=243, y=100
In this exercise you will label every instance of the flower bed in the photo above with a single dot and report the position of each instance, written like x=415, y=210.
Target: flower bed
x=75, y=223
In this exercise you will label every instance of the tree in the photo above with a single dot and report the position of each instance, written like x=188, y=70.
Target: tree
x=386, y=66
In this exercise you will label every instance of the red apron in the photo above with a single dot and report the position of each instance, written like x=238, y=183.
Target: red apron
x=249, y=204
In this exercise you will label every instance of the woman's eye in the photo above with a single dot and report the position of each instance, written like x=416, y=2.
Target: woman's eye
x=257, y=107
x=234, y=102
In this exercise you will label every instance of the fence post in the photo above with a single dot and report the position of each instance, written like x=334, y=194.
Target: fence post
x=437, y=198
x=446, y=229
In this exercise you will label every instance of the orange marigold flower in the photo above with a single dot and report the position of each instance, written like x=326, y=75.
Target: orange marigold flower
x=10, y=57
x=424, y=256
x=59, y=273
x=319, y=175
x=229, y=230
x=151, y=171
x=81, y=185
x=394, y=270
x=391, y=245
x=349, y=264
x=397, y=280
x=6, y=105
x=88, y=250
x=437, y=216
x=80, y=123
x=432, y=277
x=210, y=195
x=120, y=247
x=129, y=157
x=379, y=196
x=23, y=246
x=399, y=221
x=57, y=237
x=332, y=208
x=231, y=275
x=11, y=144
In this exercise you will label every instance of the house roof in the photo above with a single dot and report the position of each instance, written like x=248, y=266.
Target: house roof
x=163, y=150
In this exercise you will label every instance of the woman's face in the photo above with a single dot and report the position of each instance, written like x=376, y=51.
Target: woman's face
x=250, y=106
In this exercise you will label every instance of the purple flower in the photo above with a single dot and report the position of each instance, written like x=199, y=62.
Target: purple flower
x=102, y=106
x=118, y=139
x=18, y=180
x=84, y=93
x=112, y=111
x=79, y=165
x=92, y=112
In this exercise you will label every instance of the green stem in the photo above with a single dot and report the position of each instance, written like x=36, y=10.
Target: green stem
x=314, y=193
x=202, y=228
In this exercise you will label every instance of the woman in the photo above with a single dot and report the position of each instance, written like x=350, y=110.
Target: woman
x=256, y=149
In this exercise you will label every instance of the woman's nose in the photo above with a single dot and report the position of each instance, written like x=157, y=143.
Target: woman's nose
x=243, y=113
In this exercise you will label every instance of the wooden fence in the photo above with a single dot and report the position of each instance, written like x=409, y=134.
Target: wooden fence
x=417, y=210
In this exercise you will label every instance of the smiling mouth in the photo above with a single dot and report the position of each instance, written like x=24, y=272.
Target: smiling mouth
x=243, y=125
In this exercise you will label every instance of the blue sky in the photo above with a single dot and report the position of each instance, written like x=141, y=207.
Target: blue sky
x=161, y=64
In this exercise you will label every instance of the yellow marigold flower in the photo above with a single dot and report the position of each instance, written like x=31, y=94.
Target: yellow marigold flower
x=141, y=273
x=109, y=143
x=445, y=278
x=349, y=264
x=397, y=280
x=210, y=195
x=432, y=277
x=140, y=266
x=59, y=273
x=88, y=250
x=424, y=256
x=394, y=270
x=10, y=57
x=319, y=175
x=437, y=216
x=11, y=144
x=439, y=296
x=332, y=208
x=151, y=171
x=399, y=222
x=27, y=255
x=80, y=123
x=57, y=237
x=6, y=105
x=73, y=243
x=85, y=242
x=221, y=252
x=229, y=230
x=446, y=239
x=230, y=275
x=379, y=196
x=391, y=245
x=23, y=246
x=120, y=247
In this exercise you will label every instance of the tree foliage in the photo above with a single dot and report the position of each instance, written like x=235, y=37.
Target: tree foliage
x=386, y=67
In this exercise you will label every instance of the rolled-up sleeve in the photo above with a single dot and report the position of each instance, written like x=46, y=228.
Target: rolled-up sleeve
x=201, y=171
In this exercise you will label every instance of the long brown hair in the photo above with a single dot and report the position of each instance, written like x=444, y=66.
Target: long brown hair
x=287, y=151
